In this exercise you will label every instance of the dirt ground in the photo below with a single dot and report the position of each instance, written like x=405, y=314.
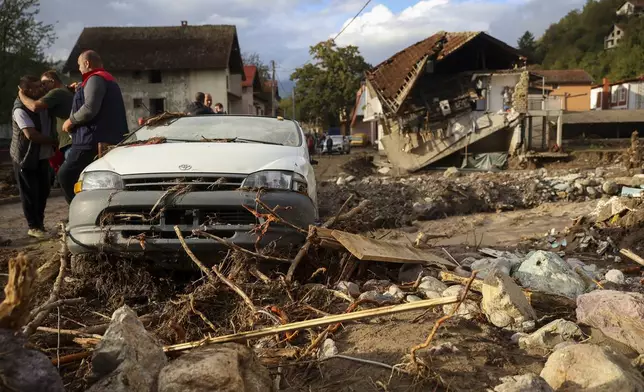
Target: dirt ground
x=479, y=354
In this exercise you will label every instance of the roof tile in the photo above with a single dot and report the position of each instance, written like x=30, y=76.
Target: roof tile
x=563, y=76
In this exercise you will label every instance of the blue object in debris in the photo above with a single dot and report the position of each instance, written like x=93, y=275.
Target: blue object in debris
x=632, y=192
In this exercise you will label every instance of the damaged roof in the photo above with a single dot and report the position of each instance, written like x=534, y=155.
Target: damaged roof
x=160, y=48
x=564, y=76
x=394, y=77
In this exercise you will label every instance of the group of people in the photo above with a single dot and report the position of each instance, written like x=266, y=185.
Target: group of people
x=59, y=128
x=203, y=105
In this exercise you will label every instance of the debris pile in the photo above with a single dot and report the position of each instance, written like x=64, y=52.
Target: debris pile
x=8, y=186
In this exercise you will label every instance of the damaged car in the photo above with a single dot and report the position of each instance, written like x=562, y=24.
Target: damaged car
x=201, y=174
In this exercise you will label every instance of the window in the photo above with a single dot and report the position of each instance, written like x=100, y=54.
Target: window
x=613, y=97
x=622, y=95
x=157, y=105
x=138, y=103
x=619, y=32
x=155, y=76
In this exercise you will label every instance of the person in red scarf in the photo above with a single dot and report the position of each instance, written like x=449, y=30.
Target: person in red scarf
x=98, y=117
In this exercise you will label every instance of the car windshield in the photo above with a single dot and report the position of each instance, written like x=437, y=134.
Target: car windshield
x=221, y=128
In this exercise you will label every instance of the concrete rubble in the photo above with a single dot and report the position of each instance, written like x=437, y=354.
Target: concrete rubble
x=524, y=383
x=550, y=335
x=504, y=303
x=547, y=272
x=589, y=367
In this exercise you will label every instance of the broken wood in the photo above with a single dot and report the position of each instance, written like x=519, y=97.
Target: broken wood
x=628, y=253
x=209, y=274
x=14, y=309
x=71, y=332
x=71, y=358
x=319, y=322
x=377, y=250
x=534, y=297
x=39, y=314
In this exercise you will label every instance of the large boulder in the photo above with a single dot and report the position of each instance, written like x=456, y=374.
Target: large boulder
x=228, y=367
x=547, y=337
x=525, y=383
x=548, y=273
x=504, y=303
x=22, y=369
x=128, y=358
x=588, y=367
x=487, y=265
x=619, y=315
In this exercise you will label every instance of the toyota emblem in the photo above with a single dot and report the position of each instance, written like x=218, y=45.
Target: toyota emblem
x=185, y=167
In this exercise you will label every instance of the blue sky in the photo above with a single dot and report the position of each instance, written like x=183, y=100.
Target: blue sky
x=283, y=30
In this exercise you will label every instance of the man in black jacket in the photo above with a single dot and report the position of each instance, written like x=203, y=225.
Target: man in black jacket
x=32, y=144
x=198, y=107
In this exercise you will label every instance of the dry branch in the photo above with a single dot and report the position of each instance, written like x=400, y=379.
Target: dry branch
x=440, y=321
x=239, y=248
x=209, y=274
x=14, y=309
x=37, y=317
x=319, y=322
x=71, y=332
x=313, y=234
x=71, y=358
x=628, y=253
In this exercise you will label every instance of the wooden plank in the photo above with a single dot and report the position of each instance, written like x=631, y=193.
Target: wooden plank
x=392, y=252
x=628, y=253
x=319, y=322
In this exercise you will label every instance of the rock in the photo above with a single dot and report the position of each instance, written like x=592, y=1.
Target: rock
x=588, y=367
x=485, y=266
x=410, y=272
x=378, y=297
x=128, y=358
x=413, y=298
x=228, y=367
x=429, y=283
x=547, y=272
x=600, y=172
x=504, y=303
x=525, y=383
x=443, y=348
x=563, y=345
x=615, y=276
x=349, y=179
x=341, y=181
x=349, y=288
x=592, y=192
x=396, y=292
x=468, y=310
x=610, y=188
x=22, y=369
x=451, y=172
x=375, y=284
x=551, y=334
x=561, y=187
x=328, y=349
x=617, y=314
x=432, y=294
x=384, y=170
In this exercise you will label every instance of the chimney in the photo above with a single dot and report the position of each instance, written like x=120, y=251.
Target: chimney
x=184, y=23
x=605, y=94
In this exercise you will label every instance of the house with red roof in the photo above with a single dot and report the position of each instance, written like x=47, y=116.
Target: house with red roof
x=254, y=99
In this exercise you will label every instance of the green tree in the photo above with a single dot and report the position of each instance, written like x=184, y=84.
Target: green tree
x=326, y=88
x=528, y=46
x=23, y=40
x=253, y=58
x=286, y=108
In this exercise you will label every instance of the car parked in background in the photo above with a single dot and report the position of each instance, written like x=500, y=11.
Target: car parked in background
x=359, y=140
x=341, y=145
x=195, y=173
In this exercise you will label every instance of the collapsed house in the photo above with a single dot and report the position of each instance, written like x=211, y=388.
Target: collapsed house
x=449, y=93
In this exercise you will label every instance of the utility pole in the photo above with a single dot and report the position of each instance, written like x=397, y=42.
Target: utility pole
x=273, y=89
x=293, y=99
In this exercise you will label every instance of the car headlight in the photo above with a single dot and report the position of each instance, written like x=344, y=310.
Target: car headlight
x=98, y=180
x=274, y=179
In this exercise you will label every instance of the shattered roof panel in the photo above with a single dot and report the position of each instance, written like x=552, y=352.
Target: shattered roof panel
x=390, y=76
x=562, y=76
x=159, y=48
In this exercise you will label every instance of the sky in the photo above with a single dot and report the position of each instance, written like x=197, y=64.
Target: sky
x=283, y=30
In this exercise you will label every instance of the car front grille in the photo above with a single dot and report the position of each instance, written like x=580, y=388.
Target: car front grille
x=166, y=218
x=193, y=183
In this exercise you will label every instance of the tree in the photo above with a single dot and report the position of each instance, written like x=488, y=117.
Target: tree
x=286, y=108
x=252, y=58
x=326, y=89
x=528, y=46
x=22, y=43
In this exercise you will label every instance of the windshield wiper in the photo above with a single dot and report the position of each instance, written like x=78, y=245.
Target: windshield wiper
x=244, y=140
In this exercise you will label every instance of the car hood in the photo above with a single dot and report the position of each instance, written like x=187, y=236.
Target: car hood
x=230, y=158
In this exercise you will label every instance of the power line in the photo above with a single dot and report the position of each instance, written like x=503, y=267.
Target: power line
x=351, y=21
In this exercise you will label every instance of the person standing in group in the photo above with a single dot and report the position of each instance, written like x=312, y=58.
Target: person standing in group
x=198, y=107
x=208, y=102
x=219, y=108
x=32, y=145
x=97, y=117
x=58, y=101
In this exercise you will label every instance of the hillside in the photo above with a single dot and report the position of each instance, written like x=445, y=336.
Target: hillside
x=577, y=41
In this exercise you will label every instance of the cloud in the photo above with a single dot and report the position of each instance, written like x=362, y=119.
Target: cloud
x=227, y=20
x=120, y=6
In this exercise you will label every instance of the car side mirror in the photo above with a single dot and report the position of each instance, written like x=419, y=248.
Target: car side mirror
x=314, y=162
